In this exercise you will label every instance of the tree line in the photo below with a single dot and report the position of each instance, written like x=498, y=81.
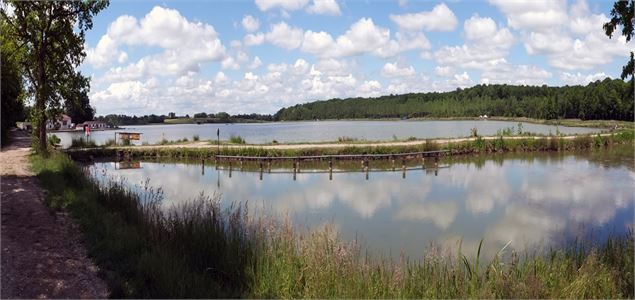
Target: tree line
x=606, y=99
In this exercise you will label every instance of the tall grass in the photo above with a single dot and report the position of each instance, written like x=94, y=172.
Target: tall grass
x=83, y=142
x=198, y=250
x=236, y=139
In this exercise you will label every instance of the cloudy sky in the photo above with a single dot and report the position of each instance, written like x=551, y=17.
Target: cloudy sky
x=258, y=56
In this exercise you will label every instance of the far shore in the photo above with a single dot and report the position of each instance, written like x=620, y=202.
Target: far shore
x=556, y=122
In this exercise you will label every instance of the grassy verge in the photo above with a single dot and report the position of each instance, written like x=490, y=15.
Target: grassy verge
x=476, y=146
x=197, y=250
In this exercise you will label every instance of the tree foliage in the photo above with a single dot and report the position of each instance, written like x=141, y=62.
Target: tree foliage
x=76, y=100
x=51, y=36
x=622, y=15
x=607, y=99
x=12, y=100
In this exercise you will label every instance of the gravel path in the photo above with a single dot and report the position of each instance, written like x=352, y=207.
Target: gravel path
x=42, y=255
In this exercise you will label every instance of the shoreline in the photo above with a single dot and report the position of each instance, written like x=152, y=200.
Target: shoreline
x=454, y=146
x=603, y=124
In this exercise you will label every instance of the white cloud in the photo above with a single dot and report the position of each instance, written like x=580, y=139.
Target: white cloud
x=256, y=63
x=581, y=79
x=391, y=70
x=517, y=75
x=536, y=15
x=288, y=5
x=441, y=18
x=486, y=47
x=250, y=23
x=186, y=44
x=285, y=36
x=317, y=42
x=324, y=7
x=254, y=39
x=443, y=71
x=363, y=36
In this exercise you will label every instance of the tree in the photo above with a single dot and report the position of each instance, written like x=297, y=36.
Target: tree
x=200, y=115
x=622, y=15
x=51, y=35
x=76, y=100
x=12, y=104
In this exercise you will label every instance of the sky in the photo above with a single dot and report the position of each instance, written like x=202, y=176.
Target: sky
x=258, y=56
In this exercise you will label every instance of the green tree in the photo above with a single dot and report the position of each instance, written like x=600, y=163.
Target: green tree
x=12, y=104
x=622, y=15
x=51, y=35
x=76, y=100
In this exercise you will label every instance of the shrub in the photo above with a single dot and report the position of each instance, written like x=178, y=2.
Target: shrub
x=195, y=138
x=82, y=142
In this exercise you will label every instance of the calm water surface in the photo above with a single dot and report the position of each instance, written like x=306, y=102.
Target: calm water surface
x=537, y=200
x=324, y=130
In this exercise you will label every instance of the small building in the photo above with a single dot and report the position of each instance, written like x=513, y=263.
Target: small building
x=93, y=125
x=63, y=122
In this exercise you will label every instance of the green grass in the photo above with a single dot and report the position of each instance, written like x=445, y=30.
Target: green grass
x=198, y=250
x=479, y=145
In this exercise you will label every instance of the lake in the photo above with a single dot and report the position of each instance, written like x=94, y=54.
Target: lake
x=321, y=131
x=529, y=201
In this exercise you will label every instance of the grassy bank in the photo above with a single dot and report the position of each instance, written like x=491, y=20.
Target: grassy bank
x=477, y=145
x=199, y=250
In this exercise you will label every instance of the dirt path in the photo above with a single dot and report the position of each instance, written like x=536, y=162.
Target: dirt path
x=207, y=144
x=42, y=255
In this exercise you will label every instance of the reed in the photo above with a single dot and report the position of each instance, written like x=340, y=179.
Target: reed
x=147, y=249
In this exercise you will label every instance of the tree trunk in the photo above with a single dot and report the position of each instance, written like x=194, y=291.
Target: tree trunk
x=41, y=96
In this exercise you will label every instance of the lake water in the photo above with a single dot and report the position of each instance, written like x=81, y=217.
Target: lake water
x=320, y=131
x=528, y=200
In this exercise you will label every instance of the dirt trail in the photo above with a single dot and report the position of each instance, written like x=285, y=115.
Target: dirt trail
x=42, y=255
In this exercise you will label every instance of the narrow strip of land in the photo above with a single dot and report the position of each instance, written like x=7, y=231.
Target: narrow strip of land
x=208, y=144
x=42, y=255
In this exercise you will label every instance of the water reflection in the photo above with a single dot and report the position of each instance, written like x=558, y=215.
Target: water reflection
x=537, y=200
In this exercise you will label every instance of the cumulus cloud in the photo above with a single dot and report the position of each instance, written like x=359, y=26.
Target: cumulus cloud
x=285, y=36
x=391, y=70
x=324, y=7
x=441, y=18
x=250, y=23
x=535, y=15
x=186, y=44
x=581, y=79
x=287, y=5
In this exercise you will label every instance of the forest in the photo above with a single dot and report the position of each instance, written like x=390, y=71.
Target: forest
x=599, y=100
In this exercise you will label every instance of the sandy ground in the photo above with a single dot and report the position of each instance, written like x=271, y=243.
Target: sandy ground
x=42, y=255
x=207, y=144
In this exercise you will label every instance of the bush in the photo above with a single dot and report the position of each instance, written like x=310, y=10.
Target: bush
x=54, y=140
x=195, y=138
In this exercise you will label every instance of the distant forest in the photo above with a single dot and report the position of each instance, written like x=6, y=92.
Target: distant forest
x=607, y=99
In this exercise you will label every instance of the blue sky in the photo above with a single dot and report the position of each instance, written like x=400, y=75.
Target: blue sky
x=258, y=56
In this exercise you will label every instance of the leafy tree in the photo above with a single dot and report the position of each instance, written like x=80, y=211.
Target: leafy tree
x=12, y=102
x=51, y=35
x=200, y=115
x=76, y=100
x=622, y=15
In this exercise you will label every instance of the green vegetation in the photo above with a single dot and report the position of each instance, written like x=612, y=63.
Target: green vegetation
x=12, y=91
x=82, y=142
x=476, y=145
x=622, y=16
x=51, y=35
x=196, y=138
x=197, y=250
x=236, y=139
x=606, y=100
